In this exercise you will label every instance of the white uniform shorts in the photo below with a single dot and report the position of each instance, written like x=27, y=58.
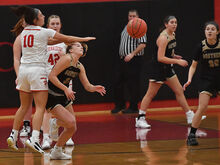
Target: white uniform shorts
x=32, y=78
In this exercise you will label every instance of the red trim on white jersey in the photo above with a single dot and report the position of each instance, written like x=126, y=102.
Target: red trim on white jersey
x=39, y=90
x=33, y=29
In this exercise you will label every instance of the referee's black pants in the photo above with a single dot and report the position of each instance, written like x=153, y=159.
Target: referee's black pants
x=127, y=82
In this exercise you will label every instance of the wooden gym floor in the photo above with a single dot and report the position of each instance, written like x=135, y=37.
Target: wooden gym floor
x=105, y=139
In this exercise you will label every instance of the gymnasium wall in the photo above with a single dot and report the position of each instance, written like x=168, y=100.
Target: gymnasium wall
x=105, y=20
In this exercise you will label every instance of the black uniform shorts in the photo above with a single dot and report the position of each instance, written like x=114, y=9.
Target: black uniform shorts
x=209, y=85
x=53, y=101
x=161, y=72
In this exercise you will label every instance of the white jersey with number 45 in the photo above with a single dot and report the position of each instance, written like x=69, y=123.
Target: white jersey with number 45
x=34, y=41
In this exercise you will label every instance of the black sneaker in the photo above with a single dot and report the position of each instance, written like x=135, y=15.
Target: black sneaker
x=117, y=109
x=191, y=140
x=129, y=110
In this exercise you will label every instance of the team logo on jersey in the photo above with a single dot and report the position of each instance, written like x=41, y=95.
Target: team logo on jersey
x=44, y=80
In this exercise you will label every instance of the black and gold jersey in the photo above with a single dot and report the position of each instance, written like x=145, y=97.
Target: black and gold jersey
x=170, y=49
x=65, y=76
x=209, y=57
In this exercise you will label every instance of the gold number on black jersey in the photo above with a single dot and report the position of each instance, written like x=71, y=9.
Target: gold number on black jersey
x=67, y=80
x=213, y=63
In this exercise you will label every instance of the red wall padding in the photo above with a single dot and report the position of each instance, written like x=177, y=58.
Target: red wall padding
x=31, y=2
x=217, y=11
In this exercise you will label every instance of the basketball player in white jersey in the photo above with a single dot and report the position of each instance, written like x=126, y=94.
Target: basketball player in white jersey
x=32, y=76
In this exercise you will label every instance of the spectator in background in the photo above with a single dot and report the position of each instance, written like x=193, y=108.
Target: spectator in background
x=128, y=70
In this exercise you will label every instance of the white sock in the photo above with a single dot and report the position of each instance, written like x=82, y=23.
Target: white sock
x=45, y=136
x=35, y=135
x=57, y=147
x=141, y=112
x=189, y=111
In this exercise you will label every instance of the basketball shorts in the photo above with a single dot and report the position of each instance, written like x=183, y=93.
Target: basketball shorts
x=32, y=78
x=54, y=101
x=210, y=86
x=161, y=73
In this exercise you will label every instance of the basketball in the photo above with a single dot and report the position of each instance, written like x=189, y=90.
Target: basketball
x=137, y=28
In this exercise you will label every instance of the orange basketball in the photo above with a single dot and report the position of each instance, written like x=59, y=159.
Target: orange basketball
x=137, y=28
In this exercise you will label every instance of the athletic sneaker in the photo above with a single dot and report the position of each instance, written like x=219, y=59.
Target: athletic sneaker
x=26, y=130
x=142, y=123
x=68, y=150
x=54, y=128
x=12, y=143
x=70, y=142
x=189, y=116
x=191, y=140
x=34, y=145
x=46, y=143
x=199, y=133
x=58, y=154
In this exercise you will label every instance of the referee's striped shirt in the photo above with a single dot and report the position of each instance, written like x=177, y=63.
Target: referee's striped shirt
x=129, y=44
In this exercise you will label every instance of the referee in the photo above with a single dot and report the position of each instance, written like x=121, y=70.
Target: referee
x=128, y=70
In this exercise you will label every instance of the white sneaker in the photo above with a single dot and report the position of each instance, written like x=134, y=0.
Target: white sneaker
x=34, y=145
x=46, y=143
x=142, y=123
x=189, y=116
x=12, y=143
x=58, y=154
x=54, y=128
x=70, y=142
x=68, y=150
x=26, y=130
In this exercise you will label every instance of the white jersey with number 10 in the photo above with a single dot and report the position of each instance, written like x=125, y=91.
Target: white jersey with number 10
x=34, y=41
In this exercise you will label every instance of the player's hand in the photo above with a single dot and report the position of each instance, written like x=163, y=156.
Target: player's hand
x=182, y=62
x=100, y=89
x=186, y=85
x=16, y=81
x=69, y=94
x=177, y=56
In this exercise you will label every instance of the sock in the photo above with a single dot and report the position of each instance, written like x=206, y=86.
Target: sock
x=45, y=136
x=26, y=123
x=193, y=130
x=189, y=111
x=57, y=147
x=35, y=135
x=14, y=134
x=141, y=112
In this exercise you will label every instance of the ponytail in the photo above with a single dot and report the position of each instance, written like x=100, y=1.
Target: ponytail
x=19, y=27
x=28, y=13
